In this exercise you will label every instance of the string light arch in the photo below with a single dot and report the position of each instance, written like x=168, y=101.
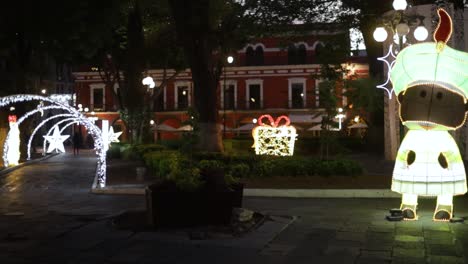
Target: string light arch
x=93, y=130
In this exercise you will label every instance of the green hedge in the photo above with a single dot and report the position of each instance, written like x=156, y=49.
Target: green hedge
x=159, y=158
x=244, y=166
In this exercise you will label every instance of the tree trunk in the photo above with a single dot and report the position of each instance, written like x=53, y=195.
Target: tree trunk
x=194, y=30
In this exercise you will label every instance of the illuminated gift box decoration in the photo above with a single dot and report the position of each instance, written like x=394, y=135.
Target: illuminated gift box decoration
x=431, y=82
x=273, y=138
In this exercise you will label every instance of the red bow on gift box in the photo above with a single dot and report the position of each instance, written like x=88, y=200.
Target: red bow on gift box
x=274, y=123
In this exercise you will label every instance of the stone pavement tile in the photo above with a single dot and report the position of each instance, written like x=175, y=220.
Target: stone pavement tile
x=342, y=247
x=409, y=252
x=366, y=260
x=381, y=229
x=350, y=236
x=409, y=238
x=408, y=260
x=274, y=249
x=445, y=260
x=442, y=250
x=437, y=226
x=409, y=245
x=377, y=237
x=51, y=251
x=133, y=253
x=412, y=231
x=170, y=237
x=442, y=239
x=352, y=227
x=101, y=252
x=309, y=248
x=378, y=241
x=377, y=245
x=376, y=254
x=382, y=222
x=331, y=259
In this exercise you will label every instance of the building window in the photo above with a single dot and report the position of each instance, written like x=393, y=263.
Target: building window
x=319, y=52
x=160, y=100
x=301, y=54
x=97, y=97
x=259, y=56
x=231, y=93
x=254, y=94
x=182, y=95
x=250, y=56
x=292, y=54
x=254, y=57
x=297, y=54
x=297, y=93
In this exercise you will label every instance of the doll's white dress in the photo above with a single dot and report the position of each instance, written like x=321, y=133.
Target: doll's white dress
x=426, y=176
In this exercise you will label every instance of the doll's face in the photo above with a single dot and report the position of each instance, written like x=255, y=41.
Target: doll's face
x=427, y=106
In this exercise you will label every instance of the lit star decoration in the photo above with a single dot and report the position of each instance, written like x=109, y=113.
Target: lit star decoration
x=114, y=136
x=390, y=56
x=274, y=139
x=108, y=134
x=71, y=121
x=56, y=141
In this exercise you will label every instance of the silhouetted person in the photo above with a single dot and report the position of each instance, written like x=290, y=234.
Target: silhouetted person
x=77, y=140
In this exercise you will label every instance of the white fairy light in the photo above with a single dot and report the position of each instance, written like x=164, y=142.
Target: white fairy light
x=389, y=64
x=56, y=141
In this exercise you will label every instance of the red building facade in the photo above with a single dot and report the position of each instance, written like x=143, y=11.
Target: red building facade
x=266, y=77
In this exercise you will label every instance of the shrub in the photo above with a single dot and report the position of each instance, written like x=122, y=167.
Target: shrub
x=210, y=164
x=145, y=148
x=130, y=153
x=158, y=162
x=114, y=152
x=240, y=170
x=182, y=174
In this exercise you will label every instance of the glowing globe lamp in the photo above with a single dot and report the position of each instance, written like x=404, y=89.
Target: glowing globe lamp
x=400, y=4
x=380, y=34
x=421, y=33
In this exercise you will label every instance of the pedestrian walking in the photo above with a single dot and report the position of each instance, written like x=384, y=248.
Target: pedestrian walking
x=77, y=140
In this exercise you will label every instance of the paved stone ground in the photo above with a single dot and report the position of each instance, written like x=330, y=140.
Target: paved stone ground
x=47, y=215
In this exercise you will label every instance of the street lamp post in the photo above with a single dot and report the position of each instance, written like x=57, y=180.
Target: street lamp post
x=398, y=27
x=229, y=60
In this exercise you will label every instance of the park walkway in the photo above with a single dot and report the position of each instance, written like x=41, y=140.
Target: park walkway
x=48, y=215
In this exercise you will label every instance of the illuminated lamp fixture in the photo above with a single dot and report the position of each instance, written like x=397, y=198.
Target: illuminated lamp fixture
x=399, y=4
x=421, y=33
x=380, y=34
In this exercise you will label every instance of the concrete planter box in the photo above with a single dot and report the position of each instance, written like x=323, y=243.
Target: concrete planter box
x=169, y=207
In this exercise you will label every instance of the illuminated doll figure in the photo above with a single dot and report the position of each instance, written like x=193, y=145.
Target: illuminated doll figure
x=432, y=87
x=13, y=150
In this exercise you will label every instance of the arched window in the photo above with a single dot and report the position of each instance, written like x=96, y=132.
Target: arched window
x=319, y=50
x=250, y=56
x=301, y=54
x=292, y=54
x=258, y=55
